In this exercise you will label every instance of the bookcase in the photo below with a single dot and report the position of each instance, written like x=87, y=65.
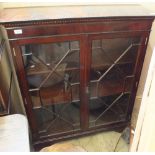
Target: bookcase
x=78, y=74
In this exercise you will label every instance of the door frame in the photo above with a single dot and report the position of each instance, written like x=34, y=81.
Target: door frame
x=143, y=35
x=21, y=74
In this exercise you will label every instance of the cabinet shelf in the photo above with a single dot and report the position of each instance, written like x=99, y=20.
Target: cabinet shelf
x=109, y=55
x=40, y=70
x=106, y=88
x=57, y=95
x=99, y=62
x=105, y=66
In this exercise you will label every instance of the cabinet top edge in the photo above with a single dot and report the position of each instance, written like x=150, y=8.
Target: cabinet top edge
x=70, y=14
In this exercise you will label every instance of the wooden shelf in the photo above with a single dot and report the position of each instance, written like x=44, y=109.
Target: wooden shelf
x=55, y=95
x=109, y=56
x=98, y=57
x=105, y=66
x=41, y=69
x=106, y=89
x=38, y=70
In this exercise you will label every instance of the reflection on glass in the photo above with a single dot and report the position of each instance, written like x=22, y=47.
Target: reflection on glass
x=53, y=77
x=112, y=75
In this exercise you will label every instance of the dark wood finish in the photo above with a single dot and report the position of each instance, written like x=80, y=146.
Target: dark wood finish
x=84, y=76
x=84, y=28
x=26, y=98
x=138, y=69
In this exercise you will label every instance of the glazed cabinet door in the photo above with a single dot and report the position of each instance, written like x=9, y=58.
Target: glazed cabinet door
x=114, y=63
x=52, y=73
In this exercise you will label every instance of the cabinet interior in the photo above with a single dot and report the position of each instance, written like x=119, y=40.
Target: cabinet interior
x=53, y=75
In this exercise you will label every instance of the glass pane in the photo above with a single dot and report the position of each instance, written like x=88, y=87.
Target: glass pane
x=53, y=74
x=112, y=76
